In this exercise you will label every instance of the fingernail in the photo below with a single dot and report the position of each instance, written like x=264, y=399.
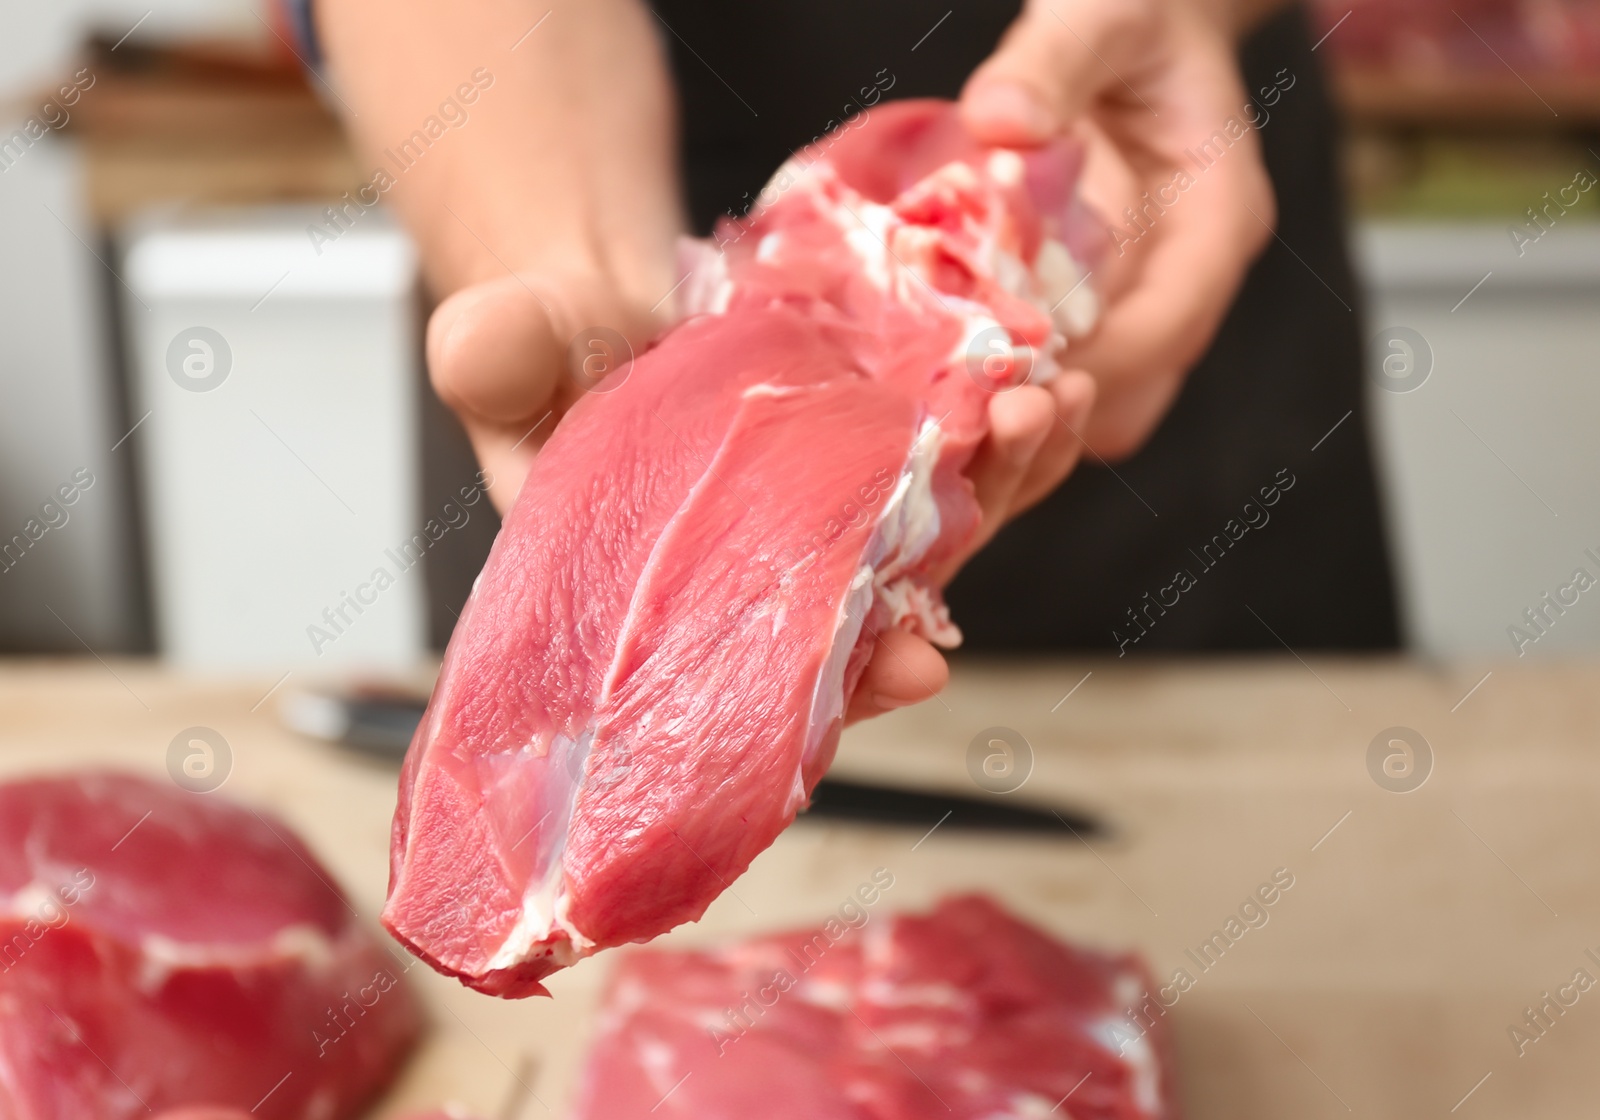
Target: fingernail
x=889, y=703
x=1015, y=107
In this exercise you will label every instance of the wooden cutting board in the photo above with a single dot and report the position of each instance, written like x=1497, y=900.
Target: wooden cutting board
x=1419, y=929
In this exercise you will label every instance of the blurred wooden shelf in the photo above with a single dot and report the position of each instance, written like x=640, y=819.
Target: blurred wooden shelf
x=1390, y=97
x=205, y=124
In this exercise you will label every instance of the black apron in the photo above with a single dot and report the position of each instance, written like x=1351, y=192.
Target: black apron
x=1242, y=524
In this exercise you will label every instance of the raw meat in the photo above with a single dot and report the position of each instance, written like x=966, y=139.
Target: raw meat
x=650, y=675
x=966, y=1013
x=163, y=949
x=206, y=1113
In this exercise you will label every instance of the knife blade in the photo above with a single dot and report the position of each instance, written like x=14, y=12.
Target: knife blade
x=872, y=803
x=379, y=722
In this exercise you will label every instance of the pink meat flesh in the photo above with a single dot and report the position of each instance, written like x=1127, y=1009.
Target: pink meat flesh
x=205, y=1112
x=651, y=673
x=161, y=949
x=966, y=1013
x=208, y=1113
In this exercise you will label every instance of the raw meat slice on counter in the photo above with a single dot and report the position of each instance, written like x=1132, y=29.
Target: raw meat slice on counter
x=161, y=949
x=650, y=675
x=208, y=1113
x=965, y=1012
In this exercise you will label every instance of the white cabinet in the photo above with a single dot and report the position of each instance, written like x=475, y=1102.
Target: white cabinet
x=1492, y=464
x=277, y=376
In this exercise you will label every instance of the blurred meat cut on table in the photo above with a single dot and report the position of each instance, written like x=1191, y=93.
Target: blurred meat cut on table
x=162, y=948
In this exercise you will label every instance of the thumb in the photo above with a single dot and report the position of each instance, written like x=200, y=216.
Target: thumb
x=1051, y=66
x=502, y=355
x=494, y=352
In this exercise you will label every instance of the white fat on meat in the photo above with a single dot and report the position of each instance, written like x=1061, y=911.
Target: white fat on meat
x=1073, y=304
x=544, y=912
x=909, y=523
x=34, y=901
x=832, y=994
x=703, y=284
x=1141, y=1059
x=1112, y=1033
x=907, y=527
x=827, y=695
x=545, y=903
x=882, y=992
x=1005, y=167
x=161, y=956
x=890, y=252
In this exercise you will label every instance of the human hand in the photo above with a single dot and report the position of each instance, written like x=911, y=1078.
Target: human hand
x=1144, y=83
x=547, y=209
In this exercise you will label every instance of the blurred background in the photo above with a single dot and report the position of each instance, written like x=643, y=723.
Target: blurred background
x=216, y=432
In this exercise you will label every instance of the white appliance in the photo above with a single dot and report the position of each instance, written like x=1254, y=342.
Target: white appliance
x=275, y=381
x=1492, y=462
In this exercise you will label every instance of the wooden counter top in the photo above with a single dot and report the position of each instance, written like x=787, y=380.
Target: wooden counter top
x=1419, y=928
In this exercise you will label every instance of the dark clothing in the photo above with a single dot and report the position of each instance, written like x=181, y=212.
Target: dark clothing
x=1161, y=552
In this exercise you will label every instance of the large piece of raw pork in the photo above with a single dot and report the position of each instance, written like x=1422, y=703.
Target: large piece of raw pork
x=161, y=949
x=964, y=1013
x=650, y=674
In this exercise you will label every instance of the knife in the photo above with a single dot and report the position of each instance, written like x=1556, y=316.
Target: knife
x=379, y=721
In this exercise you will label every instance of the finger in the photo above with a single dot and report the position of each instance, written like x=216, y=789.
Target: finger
x=1052, y=64
x=1072, y=397
x=505, y=458
x=1033, y=444
x=904, y=669
x=1019, y=423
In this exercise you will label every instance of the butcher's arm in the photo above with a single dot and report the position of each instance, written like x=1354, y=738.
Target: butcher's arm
x=550, y=209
